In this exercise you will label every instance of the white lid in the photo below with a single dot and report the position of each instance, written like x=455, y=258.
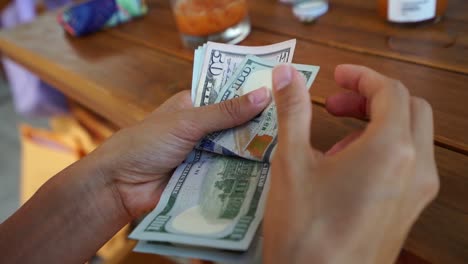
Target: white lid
x=307, y=11
x=287, y=1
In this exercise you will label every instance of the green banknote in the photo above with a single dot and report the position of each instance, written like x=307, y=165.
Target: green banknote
x=211, y=201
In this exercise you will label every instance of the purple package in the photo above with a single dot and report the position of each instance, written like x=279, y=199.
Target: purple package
x=93, y=15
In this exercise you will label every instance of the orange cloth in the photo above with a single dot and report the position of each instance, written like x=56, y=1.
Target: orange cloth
x=47, y=152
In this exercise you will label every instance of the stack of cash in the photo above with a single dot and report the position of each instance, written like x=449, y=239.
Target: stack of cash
x=214, y=202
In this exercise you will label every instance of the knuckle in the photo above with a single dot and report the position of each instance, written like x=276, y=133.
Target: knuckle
x=429, y=188
x=396, y=154
x=231, y=108
x=422, y=105
x=178, y=102
x=184, y=96
x=180, y=95
x=403, y=152
x=400, y=90
x=188, y=126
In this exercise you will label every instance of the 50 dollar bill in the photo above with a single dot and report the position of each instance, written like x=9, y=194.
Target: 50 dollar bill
x=221, y=62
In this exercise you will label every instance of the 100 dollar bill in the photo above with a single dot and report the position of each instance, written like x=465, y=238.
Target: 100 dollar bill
x=252, y=255
x=210, y=201
x=256, y=139
x=221, y=62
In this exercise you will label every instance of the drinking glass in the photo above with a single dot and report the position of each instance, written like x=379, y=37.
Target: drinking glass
x=200, y=21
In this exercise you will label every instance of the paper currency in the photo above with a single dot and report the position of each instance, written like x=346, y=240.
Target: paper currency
x=221, y=61
x=252, y=255
x=197, y=67
x=212, y=201
x=256, y=139
x=213, y=204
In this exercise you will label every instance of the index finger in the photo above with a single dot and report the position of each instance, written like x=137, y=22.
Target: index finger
x=177, y=102
x=388, y=100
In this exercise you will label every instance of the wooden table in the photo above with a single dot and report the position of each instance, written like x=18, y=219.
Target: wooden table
x=124, y=73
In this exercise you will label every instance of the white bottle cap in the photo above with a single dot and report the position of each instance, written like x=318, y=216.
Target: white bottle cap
x=308, y=11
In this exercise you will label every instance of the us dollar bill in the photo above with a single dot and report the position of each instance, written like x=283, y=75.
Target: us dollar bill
x=256, y=139
x=210, y=201
x=221, y=62
x=215, y=203
x=252, y=255
x=198, y=56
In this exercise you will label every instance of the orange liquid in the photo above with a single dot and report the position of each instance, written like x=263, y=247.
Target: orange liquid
x=205, y=17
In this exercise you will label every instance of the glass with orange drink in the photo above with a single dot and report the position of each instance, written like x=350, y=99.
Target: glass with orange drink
x=200, y=21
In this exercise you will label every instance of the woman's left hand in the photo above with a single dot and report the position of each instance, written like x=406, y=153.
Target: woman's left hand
x=139, y=160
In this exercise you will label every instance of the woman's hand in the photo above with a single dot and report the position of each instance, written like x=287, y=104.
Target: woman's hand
x=357, y=202
x=139, y=160
x=72, y=215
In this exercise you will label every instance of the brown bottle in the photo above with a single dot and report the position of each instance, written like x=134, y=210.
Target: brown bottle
x=411, y=11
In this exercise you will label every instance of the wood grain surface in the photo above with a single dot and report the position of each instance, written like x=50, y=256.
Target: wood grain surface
x=439, y=87
x=126, y=72
x=353, y=27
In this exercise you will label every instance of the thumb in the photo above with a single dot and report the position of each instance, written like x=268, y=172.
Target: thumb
x=232, y=112
x=293, y=107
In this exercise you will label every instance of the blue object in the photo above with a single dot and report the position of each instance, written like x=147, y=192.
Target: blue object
x=94, y=15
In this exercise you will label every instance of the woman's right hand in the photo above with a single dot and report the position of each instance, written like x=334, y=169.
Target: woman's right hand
x=357, y=202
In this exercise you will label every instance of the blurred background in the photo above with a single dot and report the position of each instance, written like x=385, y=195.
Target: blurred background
x=10, y=146
x=41, y=132
x=18, y=105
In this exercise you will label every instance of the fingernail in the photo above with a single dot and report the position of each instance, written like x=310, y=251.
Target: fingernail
x=258, y=96
x=282, y=76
